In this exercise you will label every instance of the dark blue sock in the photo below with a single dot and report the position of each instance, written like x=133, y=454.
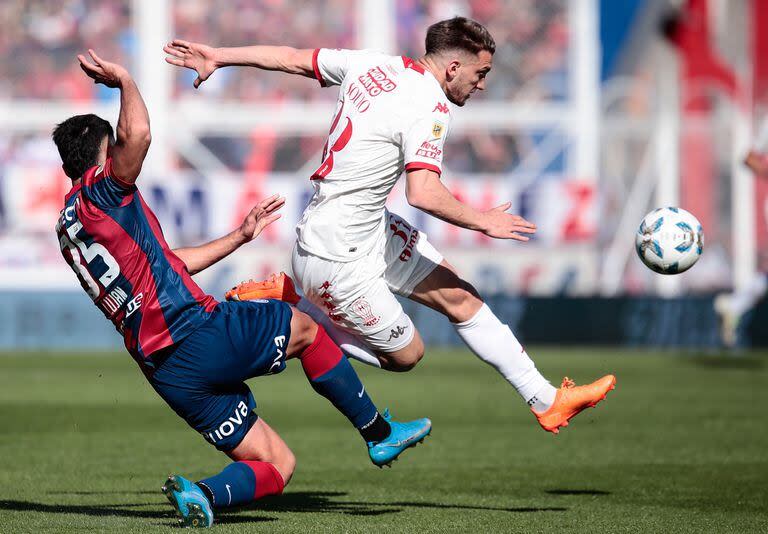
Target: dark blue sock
x=343, y=388
x=234, y=486
x=241, y=483
x=333, y=377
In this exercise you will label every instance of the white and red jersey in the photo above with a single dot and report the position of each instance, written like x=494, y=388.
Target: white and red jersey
x=392, y=115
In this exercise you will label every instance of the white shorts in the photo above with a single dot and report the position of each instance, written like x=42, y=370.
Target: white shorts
x=358, y=296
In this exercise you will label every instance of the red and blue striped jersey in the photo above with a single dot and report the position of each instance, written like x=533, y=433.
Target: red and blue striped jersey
x=113, y=242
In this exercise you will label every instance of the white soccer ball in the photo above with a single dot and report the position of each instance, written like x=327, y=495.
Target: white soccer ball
x=669, y=240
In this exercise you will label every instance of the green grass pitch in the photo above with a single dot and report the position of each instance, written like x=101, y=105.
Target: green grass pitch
x=680, y=446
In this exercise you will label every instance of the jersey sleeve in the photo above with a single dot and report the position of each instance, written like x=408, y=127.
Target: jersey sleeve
x=103, y=188
x=331, y=65
x=423, y=141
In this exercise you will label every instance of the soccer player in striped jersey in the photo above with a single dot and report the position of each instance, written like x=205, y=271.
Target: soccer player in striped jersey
x=196, y=352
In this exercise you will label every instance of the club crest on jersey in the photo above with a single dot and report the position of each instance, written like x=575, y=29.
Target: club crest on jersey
x=363, y=309
x=437, y=129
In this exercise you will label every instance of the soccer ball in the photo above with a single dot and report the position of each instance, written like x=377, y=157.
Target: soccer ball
x=669, y=240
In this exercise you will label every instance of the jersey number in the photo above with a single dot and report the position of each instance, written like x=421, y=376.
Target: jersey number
x=76, y=246
x=326, y=166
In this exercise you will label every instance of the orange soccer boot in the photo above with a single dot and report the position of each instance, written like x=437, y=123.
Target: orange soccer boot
x=277, y=286
x=571, y=399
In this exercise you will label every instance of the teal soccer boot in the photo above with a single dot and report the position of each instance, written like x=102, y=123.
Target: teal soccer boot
x=189, y=501
x=403, y=436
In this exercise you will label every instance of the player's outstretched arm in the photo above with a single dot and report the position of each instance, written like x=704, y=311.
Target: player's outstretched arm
x=133, y=134
x=426, y=191
x=204, y=59
x=262, y=215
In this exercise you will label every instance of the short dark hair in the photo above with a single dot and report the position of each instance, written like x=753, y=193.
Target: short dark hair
x=79, y=139
x=459, y=33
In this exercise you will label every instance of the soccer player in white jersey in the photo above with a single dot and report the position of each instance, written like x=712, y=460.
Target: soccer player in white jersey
x=733, y=307
x=352, y=255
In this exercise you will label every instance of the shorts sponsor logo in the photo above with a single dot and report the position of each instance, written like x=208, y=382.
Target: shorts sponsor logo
x=228, y=427
x=407, y=252
x=428, y=150
x=441, y=107
x=396, y=332
x=363, y=309
x=399, y=228
x=279, y=361
x=328, y=303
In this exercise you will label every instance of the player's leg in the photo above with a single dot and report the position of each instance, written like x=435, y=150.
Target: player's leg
x=494, y=343
x=489, y=339
x=355, y=299
x=263, y=465
x=332, y=376
x=415, y=269
x=731, y=307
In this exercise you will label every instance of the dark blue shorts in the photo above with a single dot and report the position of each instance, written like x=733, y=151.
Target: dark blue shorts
x=203, y=377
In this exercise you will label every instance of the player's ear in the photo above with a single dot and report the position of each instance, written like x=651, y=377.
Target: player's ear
x=452, y=70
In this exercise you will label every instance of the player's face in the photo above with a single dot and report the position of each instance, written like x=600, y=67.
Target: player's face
x=469, y=76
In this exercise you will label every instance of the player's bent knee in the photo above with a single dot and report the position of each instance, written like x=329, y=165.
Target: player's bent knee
x=404, y=359
x=285, y=464
x=263, y=444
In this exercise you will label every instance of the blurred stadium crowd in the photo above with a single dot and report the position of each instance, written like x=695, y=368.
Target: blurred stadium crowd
x=41, y=39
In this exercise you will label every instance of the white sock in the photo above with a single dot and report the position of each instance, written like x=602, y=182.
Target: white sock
x=350, y=345
x=494, y=343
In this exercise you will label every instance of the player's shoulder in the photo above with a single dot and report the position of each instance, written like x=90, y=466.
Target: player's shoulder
x=104, y=171
x=424, y=94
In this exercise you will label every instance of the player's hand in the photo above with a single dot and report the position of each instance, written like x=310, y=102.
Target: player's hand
x=104, y=72
x=502, y=225
x=198, y=57
x=262, y=215
x=757, y=163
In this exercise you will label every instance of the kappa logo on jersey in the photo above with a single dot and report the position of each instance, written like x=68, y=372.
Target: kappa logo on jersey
x=437, y=129
x=375, y=81
x=441, y=107
x=397, y=332
x=279, y=362
x=363, y=309
x=428, y=150
x=227, y=428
